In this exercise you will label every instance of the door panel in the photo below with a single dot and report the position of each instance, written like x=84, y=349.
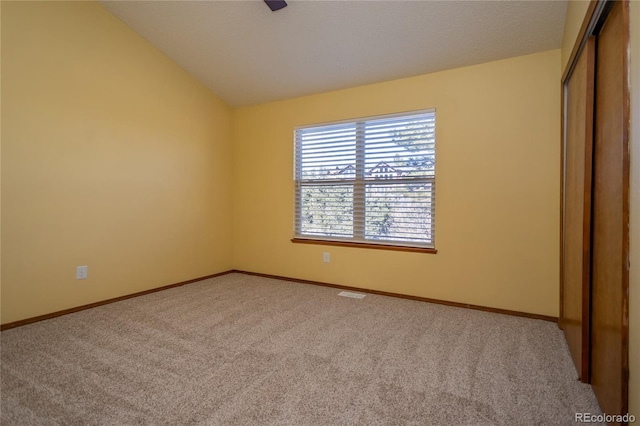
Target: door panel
x=574, y=318
x=609, y=353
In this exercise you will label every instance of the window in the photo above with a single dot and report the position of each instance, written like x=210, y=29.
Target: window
x=370, y=181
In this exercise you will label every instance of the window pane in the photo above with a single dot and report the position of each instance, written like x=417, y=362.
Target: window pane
x=399, y=212
x=327, y=152
x=327, y=210
x=400, y=147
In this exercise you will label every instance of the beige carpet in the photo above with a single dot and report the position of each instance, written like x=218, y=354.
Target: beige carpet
x=244, y=350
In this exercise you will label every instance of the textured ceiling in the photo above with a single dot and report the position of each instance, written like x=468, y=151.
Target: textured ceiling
x=247, y=54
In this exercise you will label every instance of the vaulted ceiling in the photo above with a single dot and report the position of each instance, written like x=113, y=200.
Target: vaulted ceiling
x=247, y=54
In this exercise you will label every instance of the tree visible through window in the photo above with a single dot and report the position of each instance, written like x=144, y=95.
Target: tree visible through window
x=367, y=181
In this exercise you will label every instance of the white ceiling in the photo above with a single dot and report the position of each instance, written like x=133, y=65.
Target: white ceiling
x=247, y=54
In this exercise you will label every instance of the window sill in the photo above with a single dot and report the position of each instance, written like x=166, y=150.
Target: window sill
x=364, y=245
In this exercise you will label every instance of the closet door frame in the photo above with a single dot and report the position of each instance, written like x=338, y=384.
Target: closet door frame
x=597, y=13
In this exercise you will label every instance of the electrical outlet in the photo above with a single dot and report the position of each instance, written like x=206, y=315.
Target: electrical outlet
x=82, y=272
x=326, y=258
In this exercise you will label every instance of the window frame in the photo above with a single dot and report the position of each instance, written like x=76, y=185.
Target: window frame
x=359, y=184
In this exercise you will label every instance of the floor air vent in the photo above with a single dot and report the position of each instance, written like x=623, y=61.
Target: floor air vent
x=352, y=295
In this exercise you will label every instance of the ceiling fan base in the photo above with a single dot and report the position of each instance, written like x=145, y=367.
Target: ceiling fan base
x=275, y=4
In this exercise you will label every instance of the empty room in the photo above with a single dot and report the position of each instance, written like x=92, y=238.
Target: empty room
x=307, y=212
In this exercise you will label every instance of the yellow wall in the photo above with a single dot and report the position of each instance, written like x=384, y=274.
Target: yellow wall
x=498, y=127
x=576, y=10
x=112, y=157
x=634, y=279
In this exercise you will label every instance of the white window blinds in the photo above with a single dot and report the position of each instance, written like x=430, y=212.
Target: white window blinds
x=367, y=181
